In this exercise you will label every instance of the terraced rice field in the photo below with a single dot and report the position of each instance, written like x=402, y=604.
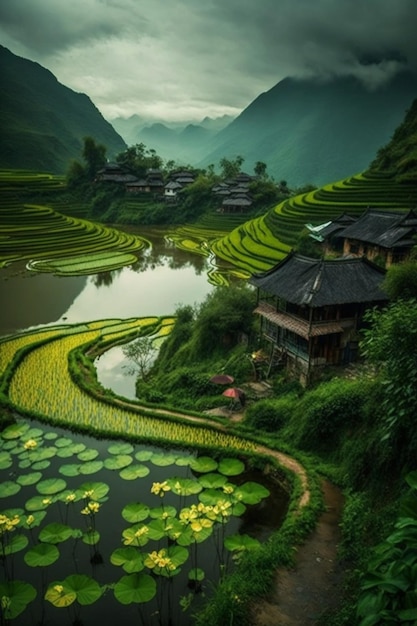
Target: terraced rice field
x=260, y=243
x=32, y=231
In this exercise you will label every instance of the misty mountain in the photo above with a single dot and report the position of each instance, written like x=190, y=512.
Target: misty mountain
x=43, y=123
x=183, y=142
x=312, y=132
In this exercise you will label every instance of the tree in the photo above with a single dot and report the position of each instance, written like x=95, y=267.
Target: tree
x=400, y=281
x=142, y=353
x=231, y=167
x=390, y=343
x=260, y=169
x=94, y=155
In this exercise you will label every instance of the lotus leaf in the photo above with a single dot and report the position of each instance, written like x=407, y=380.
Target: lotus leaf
x=88, y=455
x=135, y=588
x=50, y=435
x=135, y=512
x=136, y=535
x=95, y=490
x=55, y=533
x=65, y=453
x=9, y=488
x=37, y=503
x=212, y=481
x=196, y=574
x=251, y=493
x=60, y=595
x=241, y=543
x=14, y=431
x=129, y=558
x=62, y=442
x=143, y=455
x=91, y=537
x=210, y=497
x=51, y=486
x=33, y=433
x=118, y=461
x=120, y=448
x=231, y=467
x=24, y=464
x=91, y=467
x=69, y=469
x=184, y=486
x=41, y=454
x=15, y=544
x=76, y=448
x=29, y=479
x=87, y=590
x=203, y=464
x=35, y=520
x=42, y=555
x=41, y=465
x=5, y=459
x=19, y=594
x=12, y=444
x=162, y=459
x=134, y=471
x=161, y=512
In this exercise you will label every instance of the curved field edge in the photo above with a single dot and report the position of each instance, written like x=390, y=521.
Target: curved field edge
x=263, y=241
x=25, y=367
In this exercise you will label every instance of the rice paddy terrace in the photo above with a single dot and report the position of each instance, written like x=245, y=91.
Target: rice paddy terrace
x=39, y=230
x=262, y=242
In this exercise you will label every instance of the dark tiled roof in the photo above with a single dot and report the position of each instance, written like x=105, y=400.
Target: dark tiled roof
x=336, y=225
x=317, y=282
x=382, y=228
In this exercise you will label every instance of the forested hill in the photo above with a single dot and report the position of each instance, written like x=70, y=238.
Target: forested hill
x=42, y=121
x=312, y=132
x=399, y=156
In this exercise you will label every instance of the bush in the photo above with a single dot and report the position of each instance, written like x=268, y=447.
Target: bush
x=271, y=415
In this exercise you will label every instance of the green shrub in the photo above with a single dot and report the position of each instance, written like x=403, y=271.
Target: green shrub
x=271, y=415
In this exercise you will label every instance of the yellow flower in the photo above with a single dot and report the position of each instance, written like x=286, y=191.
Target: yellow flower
x=70, y=497
x=46, y=501
x=93, y=507
x=59, y=588
x=85, y=511
x=30, y=519
x=88, y=494
x=141, y=531
x=159, y=488
x=228, y=489
x=5, y=602
x=30, y=444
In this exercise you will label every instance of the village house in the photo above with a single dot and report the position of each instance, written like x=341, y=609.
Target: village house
x=311, y=310
x=384, y=236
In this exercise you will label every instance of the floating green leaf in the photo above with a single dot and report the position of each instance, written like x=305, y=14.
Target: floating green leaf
x=14, y=431
x=15, y=595
x=29, y=479
x=129, y=558
x=64, y=453
x=42, y=555
x=143, y=455
x=59, y=595
x=33, y=433
x=91, y=537
x=34, y=519
x=196, y=574
x=183, y=461
x=51, y=486
x=134, y=471
x=76, y=448
x=15, y=544
x=184, y=486
x=135, y=512
x=55, y=533
x=241, y=543
x=63, y=442
x=41, y=465
x=6, y=460
x=162, y=459
x=69, y=469
x=120, y=448
x=38, y=503
x=212, y=481
x=231, y=467
x=203, y=464
x=94, y=490
x=86, y=589
x=136, y=535
x=41, y=454
x=161, y=512
x=251, y=493
x=9, y=488
x=92, y=467
x=50, y=435
x=118, y=461
x=88, y=455
x=136, y=588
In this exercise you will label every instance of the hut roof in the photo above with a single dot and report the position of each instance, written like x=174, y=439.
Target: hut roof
x=318, y=282
x=383, y=228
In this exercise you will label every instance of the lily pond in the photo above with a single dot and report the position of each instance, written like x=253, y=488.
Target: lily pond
x=96, y=530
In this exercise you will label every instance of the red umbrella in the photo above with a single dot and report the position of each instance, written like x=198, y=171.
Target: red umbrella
x=233, y=392
x=222, y=379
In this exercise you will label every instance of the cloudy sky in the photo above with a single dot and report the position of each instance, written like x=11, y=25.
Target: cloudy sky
x=185, y=59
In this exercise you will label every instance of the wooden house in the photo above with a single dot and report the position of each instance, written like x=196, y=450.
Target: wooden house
x=385, y=235
x=311, y=310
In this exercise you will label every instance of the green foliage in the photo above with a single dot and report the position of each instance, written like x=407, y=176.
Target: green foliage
x=327, y=411
x=390, y=344
x=180, y=335
x=400, y=281
x=389, y=585
x=271, y=415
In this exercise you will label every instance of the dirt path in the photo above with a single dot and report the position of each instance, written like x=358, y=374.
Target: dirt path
x=302, y=594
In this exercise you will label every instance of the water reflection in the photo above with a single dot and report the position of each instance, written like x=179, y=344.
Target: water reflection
x=163, y=278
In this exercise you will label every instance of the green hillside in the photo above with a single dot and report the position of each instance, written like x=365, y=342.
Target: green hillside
x=43, y=122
